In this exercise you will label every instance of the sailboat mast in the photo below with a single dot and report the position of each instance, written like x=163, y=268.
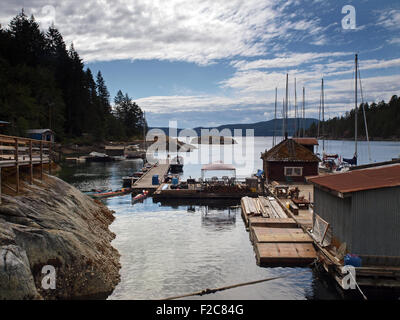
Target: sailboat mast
x=286, y=105
x=283, y=118
x=356, y=107
x=144, y=130
x=295, y=107
x=276, y=105
x=323, y=117
x=304, y=111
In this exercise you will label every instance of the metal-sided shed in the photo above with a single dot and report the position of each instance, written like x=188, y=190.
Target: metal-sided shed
x=362, y=208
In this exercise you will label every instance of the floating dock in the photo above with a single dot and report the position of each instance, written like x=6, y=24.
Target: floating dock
x=146, y=180
x=278, y=239
x=199, y=191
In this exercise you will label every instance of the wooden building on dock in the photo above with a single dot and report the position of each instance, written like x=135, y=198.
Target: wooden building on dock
x=309, y=143
x=289, y=161
x=41, y=134
x=361, y=213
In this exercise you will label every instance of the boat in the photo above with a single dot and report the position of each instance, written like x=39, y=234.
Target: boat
x=140, y=196
x=346, y=164
x=176, y=165
x=134, y=152
x=111, y=193
x=328, y=163
x=99, y=157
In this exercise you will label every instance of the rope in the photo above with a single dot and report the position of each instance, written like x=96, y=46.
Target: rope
x=365, y=116
x=209, y=291
x=358, y=287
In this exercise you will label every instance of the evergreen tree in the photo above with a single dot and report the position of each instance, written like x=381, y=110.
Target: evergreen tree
x=44, y=85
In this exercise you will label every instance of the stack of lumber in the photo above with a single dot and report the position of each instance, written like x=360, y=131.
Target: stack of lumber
x=267, y=208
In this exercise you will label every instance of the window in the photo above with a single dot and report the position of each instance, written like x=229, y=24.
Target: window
x=293, y=171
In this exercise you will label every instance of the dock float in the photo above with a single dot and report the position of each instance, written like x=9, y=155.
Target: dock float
x=146, y=180
x=285, y=254
x=278, y=240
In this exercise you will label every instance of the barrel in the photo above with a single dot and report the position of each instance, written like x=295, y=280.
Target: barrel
x=175, y=181
x=155, y=180
x=352, y=260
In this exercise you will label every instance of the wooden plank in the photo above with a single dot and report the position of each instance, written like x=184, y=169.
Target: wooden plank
x=285, y=254
x=279, y=213
x=279, y=235
x=272, y=223
x=145, y=182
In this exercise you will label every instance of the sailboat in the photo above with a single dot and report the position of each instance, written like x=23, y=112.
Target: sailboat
x=328, y=162
x=346, y=163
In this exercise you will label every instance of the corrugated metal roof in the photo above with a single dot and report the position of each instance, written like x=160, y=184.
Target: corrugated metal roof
x=307, y=141
x=359, y=180
x=289, y=150
x=41, y=131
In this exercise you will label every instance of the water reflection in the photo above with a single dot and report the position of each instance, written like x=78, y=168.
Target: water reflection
x=218, y=219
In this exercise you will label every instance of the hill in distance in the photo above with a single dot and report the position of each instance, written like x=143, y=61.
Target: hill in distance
x=261, y=129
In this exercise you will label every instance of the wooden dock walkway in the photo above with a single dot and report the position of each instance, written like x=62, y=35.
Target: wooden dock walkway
x=17, y=152
x=277, y=238
x=146, y=181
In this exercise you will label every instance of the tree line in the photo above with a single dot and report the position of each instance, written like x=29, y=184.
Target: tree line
x=382, y=121
x=45, y=85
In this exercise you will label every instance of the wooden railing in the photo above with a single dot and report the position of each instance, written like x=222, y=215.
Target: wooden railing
x=18, y=152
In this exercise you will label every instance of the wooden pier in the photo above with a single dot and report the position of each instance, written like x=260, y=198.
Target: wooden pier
x=277, y=238
x=18, y=152
x=146, y=180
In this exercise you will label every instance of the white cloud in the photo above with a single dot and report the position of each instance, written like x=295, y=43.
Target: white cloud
x=185, y=30
x=390, y=19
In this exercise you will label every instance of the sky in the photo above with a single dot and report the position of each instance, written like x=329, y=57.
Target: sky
x=213, y=62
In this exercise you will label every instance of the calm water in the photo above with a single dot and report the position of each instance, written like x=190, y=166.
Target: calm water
x=173, y=249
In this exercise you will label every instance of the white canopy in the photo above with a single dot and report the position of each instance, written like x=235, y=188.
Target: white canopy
x=218, y=166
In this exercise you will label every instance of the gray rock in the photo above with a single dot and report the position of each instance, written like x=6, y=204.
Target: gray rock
x=52, y=223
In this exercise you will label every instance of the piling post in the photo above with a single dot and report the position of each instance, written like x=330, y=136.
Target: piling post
x=41, y=159
x=16, y=165
x=50, y=158
x=30, y=163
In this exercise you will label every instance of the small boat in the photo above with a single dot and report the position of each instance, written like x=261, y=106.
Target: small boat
x=140, y=196
x=99, y=157
x=176, y=165
x=109, y=194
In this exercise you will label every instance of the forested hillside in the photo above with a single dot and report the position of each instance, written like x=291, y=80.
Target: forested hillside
x=383, y=121
x=44, y=84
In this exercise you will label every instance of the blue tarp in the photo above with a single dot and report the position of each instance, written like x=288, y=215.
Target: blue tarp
x=351, y=161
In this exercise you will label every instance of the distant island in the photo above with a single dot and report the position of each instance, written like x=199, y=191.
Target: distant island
x=213, y=140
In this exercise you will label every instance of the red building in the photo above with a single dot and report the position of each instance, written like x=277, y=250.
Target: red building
x=289, y=161
x=309, y=143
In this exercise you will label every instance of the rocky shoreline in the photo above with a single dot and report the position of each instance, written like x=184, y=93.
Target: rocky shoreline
x=53, y=224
